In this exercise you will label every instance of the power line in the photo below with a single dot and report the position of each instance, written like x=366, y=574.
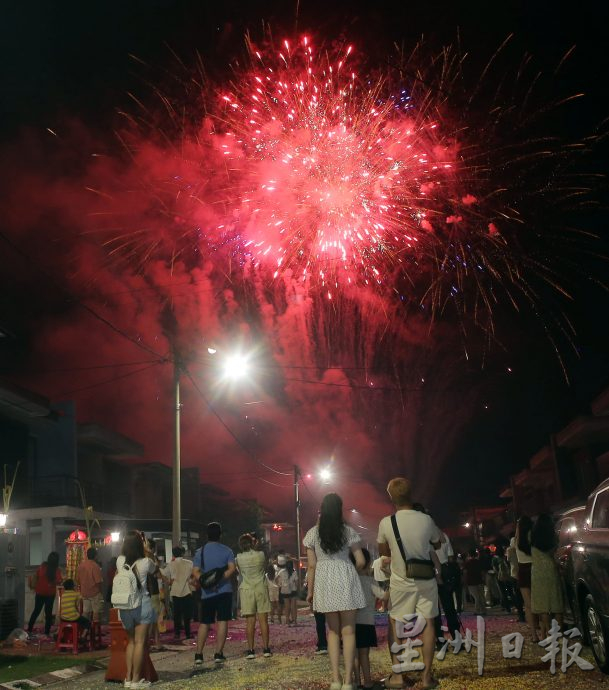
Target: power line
x=112, y=380
x=229, y=430
x=94, y=367
x=136, y=341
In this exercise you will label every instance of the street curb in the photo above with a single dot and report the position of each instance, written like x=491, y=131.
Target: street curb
x=53, y=676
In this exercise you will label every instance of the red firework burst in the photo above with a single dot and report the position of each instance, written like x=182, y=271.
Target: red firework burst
x=327, y=174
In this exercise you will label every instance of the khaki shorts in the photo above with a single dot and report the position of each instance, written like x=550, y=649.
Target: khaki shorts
x=92, y=607
x=254, y=600
x=421, y=597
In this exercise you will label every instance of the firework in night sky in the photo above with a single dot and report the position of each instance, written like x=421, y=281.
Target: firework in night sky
x=312, y=167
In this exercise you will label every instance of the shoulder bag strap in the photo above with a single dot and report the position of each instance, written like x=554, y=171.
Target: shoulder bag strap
x=137, y=576
x=398, y=538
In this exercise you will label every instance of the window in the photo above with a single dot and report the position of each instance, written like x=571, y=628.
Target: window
x=600, y=515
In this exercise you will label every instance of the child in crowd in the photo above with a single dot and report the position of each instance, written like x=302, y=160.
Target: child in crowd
x=69, y=610
x=273, y=588
x=287, y=579
x=473, y=578
x=365, y=630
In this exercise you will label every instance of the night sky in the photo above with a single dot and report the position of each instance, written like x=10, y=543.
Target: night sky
x=68, y=67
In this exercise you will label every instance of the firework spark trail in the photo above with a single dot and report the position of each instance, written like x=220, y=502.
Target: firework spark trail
x=332, y=175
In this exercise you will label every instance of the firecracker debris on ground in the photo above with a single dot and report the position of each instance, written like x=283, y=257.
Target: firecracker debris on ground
x=294, y=665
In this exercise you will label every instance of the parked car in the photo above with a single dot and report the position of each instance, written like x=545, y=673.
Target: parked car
x=568, y=525
x=589, y=554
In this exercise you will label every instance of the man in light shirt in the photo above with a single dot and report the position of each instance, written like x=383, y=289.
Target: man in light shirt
x=418, y=534
x=89, y=577
x=180, y=571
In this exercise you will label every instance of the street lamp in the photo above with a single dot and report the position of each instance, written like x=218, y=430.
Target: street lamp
x=234, y=367
x=325, y=475
x=115, y=537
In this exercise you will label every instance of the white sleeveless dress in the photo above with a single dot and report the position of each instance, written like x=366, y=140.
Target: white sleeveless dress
x=337, y=584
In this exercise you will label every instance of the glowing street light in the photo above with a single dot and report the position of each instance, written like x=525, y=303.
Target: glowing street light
x=115, y=537
x=467, y=525
x=236, y=367
x=3, y=517
x=325, y=475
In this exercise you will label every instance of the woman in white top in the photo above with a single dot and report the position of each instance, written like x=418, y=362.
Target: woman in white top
x=334, y=586
x=137, y=621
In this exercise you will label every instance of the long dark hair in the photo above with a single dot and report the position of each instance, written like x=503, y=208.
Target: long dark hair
x=52, y=564
x=525, y=524
x=133, y=547
x=289, y=566
x=332, y=533
x=543, y=536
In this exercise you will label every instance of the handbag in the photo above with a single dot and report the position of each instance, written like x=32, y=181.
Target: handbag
x=416, y=568
x=210, y=579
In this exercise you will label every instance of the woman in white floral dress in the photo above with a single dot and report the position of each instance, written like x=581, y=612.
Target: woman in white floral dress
x=334, y=586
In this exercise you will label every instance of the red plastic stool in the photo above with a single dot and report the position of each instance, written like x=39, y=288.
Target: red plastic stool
x=95, y=636
x=68, y=636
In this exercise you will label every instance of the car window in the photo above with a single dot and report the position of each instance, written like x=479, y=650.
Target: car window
x=600, y=516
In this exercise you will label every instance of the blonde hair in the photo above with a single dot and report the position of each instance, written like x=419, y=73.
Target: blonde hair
x=400, y=489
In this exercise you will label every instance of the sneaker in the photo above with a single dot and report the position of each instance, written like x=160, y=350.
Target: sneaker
x=267, y=652
x=142, y=683
x=219, y=658
x=321, y=650
x=250, y=654
x=127, y=683
x=198, y=659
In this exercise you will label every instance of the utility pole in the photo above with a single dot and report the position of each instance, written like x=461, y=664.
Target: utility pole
x=170, y=329
x=477, y=535
x=297, y=476
x=176, y=525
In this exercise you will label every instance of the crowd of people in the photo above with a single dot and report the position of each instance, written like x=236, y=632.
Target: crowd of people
x=417, y=572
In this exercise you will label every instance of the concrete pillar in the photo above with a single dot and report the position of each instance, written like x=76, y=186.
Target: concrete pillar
x=47, y=540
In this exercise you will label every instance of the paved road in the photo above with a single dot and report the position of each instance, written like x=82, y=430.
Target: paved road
x=295, y=667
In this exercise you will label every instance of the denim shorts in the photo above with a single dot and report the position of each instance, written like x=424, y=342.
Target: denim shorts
x=141, y=615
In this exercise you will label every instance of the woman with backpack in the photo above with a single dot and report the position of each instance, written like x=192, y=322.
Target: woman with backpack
x=130, y=595
x=44, y=582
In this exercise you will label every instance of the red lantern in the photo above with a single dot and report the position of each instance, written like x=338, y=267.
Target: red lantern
x=77, y=535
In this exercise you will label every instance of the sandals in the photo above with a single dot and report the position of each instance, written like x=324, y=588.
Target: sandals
x=392, y=686
x=435, y=683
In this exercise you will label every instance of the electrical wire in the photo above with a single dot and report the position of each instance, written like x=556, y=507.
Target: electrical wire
x=94, y=367
x=228, y=429
x=136, y=341
x=112, y=380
